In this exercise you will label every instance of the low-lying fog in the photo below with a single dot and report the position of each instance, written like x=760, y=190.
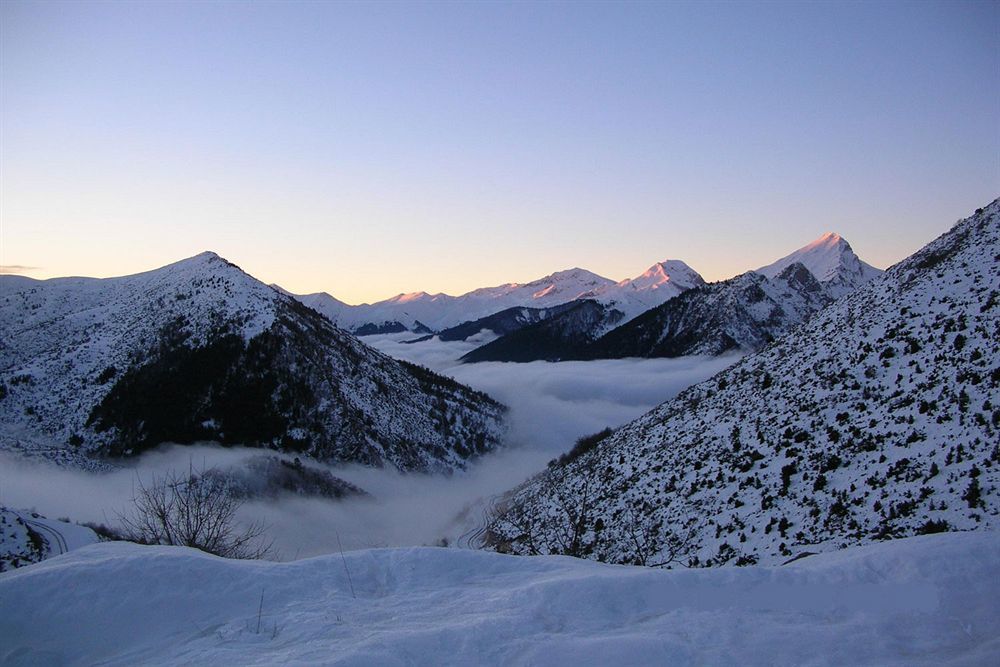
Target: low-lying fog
x=551, y=405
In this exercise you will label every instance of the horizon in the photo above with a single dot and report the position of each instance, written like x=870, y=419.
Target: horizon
x=369, y=151
x=5, y=272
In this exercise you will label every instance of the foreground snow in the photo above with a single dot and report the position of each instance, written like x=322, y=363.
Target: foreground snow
x=925, y=600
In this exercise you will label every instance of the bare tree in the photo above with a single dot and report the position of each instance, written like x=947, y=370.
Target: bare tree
x=193, y=510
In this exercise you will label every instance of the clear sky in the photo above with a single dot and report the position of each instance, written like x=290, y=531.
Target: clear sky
x=377, y=148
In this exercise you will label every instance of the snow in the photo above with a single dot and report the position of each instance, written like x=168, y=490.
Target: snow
x=831, y=260
x=919, y=601
x=660, y=282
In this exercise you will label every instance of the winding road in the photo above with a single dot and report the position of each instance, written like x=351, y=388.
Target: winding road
x=52, y=537
x=472, y=539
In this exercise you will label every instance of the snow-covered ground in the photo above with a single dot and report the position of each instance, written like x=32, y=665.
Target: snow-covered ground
x=920, y=601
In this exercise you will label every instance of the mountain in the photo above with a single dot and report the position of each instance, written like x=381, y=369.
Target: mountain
x=421, y=312
x=550, y=339
x=199, y=350
x=659, y=283
x=742, y=313
x=424, y=313
x=502, y=323
x=567, y=334
x=832, y=261
x=876, y=419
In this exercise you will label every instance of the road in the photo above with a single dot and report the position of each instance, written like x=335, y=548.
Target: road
x=472, y=539
x=53, y=537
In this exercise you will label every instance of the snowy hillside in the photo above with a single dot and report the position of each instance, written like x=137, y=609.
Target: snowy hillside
x=876, y=419
x=420, y=312
x=199, y=350
x=26, y=537
x=930, y=600
x=742, y=313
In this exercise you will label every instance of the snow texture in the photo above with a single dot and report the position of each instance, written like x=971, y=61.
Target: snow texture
x=932, y=600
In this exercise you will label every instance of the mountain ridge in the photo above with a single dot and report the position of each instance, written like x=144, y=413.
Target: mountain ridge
x=874, y=419
x=200, y=350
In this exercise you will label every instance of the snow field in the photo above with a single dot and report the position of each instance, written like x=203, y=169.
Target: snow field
x=925, y=600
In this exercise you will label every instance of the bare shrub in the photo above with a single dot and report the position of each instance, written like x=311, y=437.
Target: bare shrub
x=192, y=510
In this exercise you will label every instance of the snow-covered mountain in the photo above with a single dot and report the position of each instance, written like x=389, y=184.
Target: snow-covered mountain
x=199, y=350
x=423, y=313
x=878, y=418
x=742, y=313
x=551, y=339
x=659, y=283
x=832, y=261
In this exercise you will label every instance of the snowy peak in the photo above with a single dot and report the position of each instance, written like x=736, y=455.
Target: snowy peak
x=222, y=357
x=672, y=272
x=831, y=260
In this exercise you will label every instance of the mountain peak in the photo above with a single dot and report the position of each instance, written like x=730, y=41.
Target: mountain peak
x=829, y=258
x=671, y=272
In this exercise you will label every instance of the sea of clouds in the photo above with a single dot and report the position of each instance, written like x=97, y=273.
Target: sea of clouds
x=551, y=406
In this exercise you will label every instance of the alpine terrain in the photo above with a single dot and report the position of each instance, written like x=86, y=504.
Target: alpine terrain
x=877, y=419
x=742, y=313
x=495, y=308
x=201, y=351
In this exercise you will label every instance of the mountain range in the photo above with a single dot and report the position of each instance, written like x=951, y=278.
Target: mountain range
x=743, y=313
x=424, y=313
x=198, y=350
x=877, y=418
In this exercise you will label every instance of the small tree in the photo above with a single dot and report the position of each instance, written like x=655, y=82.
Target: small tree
x=193, y=510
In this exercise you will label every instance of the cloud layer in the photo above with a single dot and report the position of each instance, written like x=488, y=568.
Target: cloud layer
x=551, y=405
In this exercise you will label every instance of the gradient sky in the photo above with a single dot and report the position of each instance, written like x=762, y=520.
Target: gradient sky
x=372, y=149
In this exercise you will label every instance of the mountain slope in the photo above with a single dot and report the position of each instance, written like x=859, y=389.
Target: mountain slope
x=199, y=350
x=551, y=339
x=878, y=418
x=742, y=313
x=502, y=323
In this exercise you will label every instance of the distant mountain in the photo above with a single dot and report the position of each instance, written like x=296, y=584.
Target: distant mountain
x=742, y=313
x=502, y=323
x=566, y=334
x=420, y=312
x=832, y=261
x=551, y=339
x=659, y=283
x=878, y=418
x=199, y=350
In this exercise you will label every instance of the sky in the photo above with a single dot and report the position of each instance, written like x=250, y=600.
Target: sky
x=368, y=149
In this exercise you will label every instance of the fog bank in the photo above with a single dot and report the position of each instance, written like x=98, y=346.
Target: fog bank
x=551, y=405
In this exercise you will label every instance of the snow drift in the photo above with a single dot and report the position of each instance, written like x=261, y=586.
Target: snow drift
x=919, y=601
